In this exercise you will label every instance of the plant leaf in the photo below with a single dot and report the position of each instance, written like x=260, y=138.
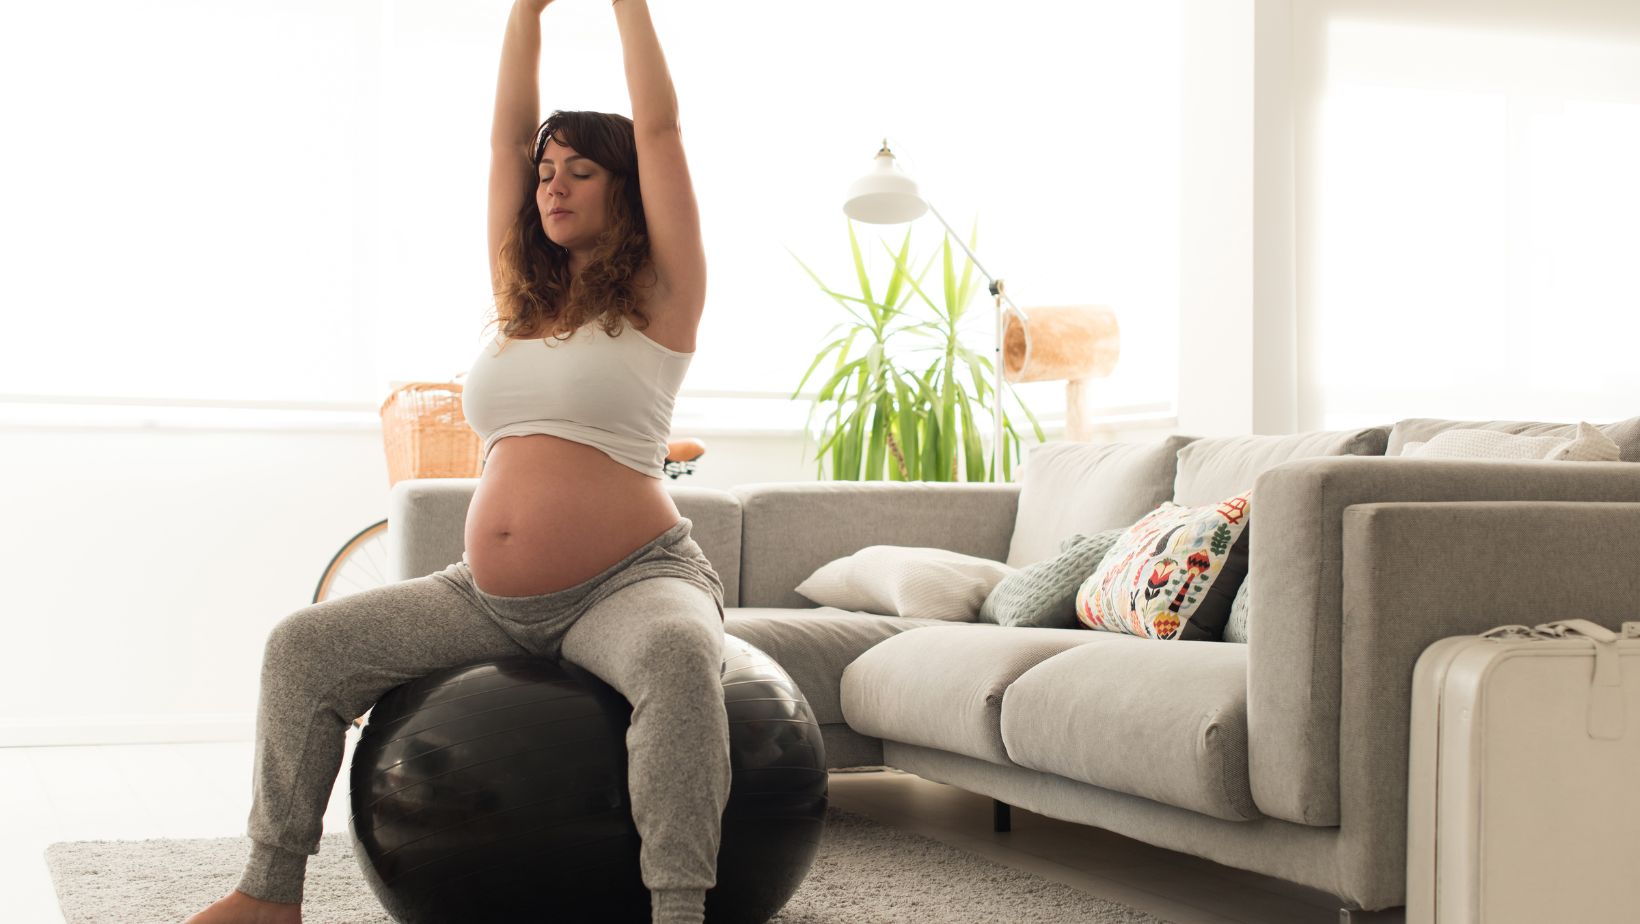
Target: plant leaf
x=829, y=347
x=917, y=287
x=982, y=387
x=860, y=266
x=838, y=377
x=909, y=423
x=953, y=310
x=968, y=265
x=973, y=446
x=948, y=420
x=878, y=446
x=900, y=272
x=837, y=297
x=931, y=468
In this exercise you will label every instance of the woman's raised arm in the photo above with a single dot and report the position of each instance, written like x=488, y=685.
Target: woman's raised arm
x=663, y=173
x=517, y=115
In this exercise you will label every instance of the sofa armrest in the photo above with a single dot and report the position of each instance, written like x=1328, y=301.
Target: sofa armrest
x=1298, y=603
x=1415, y=573
x=791, y=528
x=427, y=519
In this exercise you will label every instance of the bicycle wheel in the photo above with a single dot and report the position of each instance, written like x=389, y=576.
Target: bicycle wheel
x=360, y=564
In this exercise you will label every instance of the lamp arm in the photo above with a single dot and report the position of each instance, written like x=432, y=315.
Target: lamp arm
x=1001, y=296
x=988, y=278
x=995, y=288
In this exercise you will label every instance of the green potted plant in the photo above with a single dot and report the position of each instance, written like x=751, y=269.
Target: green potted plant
x=902, y=423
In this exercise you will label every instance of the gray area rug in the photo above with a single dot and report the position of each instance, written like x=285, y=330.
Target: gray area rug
x=865, y=873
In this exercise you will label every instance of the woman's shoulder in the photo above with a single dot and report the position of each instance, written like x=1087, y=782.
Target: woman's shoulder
x=673, y=330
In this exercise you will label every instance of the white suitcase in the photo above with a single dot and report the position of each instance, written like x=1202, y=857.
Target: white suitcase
x=1523, y=797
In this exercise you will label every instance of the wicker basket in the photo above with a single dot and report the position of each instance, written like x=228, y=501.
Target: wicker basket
x=426, y=435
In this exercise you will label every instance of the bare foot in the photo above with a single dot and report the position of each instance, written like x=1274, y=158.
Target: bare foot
x=238, y=908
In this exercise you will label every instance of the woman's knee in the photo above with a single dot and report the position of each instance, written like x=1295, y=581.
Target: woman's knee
x=303, y=640
x=675, y=635
x=339, y=626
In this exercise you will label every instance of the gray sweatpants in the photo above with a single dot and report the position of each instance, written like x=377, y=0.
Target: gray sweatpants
x=644, y=626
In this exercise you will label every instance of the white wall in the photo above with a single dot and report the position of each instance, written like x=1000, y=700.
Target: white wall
x=1236, y=321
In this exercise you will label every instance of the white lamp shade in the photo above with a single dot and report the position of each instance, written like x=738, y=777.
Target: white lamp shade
x=885, y=196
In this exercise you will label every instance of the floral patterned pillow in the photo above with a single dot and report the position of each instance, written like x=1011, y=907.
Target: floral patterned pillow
x=1172, y=575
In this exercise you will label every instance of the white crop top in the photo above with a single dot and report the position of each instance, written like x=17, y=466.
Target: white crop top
x=612, y=393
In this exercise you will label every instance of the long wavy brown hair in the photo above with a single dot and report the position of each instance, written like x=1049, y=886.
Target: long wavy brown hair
x=534, y=287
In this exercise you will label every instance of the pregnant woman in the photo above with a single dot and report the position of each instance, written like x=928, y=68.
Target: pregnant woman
x=574, y=549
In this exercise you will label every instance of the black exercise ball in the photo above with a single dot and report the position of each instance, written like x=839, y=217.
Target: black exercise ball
x=497, y=791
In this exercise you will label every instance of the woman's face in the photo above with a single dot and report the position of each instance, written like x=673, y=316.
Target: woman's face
x=572, y=193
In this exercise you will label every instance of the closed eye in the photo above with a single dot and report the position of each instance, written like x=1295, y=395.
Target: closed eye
x=579, y=176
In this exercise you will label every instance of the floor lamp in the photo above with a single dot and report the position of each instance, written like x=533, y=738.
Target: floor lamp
x=887, y=196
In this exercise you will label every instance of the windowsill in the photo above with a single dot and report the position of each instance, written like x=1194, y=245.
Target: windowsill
x=753, y=418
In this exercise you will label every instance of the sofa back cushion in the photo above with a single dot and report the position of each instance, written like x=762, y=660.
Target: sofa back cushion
x=1590, y=445
x=1625, y=433
x=1212, y=469
x=1068, y=487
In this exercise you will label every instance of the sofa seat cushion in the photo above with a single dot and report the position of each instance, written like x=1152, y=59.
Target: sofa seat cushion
x=1166, y=721
x=942, y=687
x=814, y=644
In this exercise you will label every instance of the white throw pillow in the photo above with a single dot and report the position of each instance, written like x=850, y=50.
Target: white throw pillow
x=1589, y=445
x=915, y=583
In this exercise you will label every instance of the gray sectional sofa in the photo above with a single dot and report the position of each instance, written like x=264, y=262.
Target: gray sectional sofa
x=1286, y=754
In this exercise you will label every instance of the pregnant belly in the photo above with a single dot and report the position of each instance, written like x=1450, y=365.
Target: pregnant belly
x=550, y=513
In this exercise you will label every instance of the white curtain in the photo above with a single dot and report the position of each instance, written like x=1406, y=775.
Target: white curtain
x=284, y=203
x=1475, y=237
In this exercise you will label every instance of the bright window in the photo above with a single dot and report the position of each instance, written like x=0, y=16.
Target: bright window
x=1476, y=239
x=285, y=202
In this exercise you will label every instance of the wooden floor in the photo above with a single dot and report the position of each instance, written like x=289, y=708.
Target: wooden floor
x=202, y=790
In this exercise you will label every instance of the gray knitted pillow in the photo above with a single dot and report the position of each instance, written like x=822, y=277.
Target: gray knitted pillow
x=1043, y=595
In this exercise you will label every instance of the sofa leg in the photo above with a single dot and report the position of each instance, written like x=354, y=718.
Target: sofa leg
x=999, y=815
x=1348, y=915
